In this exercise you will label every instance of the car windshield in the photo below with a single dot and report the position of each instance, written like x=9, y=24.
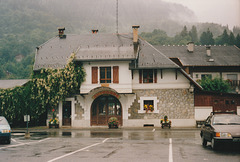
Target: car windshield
x=3, y=121
x=226, y=120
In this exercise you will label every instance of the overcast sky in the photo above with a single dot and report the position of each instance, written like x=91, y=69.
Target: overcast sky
x=225, y=12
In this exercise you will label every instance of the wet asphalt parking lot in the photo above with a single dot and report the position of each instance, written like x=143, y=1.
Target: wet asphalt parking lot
x=102, y=144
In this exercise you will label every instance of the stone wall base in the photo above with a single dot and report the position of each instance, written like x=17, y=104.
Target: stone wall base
x=156, y=122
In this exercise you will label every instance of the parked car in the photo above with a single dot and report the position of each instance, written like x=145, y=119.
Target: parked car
x=221, y=128
x=5, y=130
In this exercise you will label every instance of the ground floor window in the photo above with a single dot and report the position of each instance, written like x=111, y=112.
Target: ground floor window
x=148, y=104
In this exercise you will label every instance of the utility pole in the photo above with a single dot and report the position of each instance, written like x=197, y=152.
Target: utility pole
x=117, y=16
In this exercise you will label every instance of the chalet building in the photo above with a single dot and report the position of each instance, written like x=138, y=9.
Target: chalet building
x=209, y=61
x=123, y=74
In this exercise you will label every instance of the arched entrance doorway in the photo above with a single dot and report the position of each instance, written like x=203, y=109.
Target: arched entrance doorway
x=104, y=107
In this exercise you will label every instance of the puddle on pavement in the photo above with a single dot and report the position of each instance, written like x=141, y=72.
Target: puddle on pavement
x=132, y=135
x=107, y=134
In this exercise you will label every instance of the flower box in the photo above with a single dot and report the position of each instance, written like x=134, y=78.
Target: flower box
x=53, y=125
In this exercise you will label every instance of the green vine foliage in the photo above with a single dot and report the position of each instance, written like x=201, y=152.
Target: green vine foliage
x=41, y=93
x=215, y=85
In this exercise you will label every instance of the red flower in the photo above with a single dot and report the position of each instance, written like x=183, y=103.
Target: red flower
x=53, y=110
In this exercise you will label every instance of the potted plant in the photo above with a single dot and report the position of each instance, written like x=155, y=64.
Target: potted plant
x=53, y=123
x=165, y=122
x=113, y=122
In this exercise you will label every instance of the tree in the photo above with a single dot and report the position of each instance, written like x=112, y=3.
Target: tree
x=193, y=34
x=231, y=39
x=156, y=37
x=225, y=38
x=238, y=41
x=182, y=38
x=215, y=85
x=206, y=38
x=45, y=90
x=184, y=32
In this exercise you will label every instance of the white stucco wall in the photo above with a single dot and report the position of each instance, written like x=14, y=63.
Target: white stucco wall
x=125, y=77
x=168, y=80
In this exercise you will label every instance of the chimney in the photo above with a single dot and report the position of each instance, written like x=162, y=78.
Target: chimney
x=135, y=33
x=61, y=32
x=94, y=31
x=190, y=47
x=208, y=49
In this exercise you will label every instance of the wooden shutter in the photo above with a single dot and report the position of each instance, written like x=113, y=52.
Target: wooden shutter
x=155, y=75
x=94, y=75
x=140, y=76
x=115, y=74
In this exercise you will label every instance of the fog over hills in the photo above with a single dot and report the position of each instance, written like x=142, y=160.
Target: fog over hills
x=83, y=15
x=26, y=24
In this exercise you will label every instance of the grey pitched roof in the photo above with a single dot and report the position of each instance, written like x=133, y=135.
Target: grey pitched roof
x=91, y=47
x=220, y=55
x=4, y=84
x=150, y=57
x=98, y=47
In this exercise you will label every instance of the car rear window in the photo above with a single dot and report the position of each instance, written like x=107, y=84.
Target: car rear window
x=226, y=120
x=3, y=121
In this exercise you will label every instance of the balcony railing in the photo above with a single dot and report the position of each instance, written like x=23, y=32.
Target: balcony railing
x=235, y=85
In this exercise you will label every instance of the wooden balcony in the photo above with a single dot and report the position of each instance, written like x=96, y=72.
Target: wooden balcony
x=235, y=85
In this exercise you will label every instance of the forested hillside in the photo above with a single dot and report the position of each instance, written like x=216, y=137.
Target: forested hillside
x=23, y=26
x=26, y=24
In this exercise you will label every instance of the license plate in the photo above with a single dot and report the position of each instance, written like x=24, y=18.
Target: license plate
x=236, y=139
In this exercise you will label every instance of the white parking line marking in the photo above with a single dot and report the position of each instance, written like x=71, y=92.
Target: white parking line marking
x=105, y=140
x=170, y=150
x=21, y=144
x=60, y=157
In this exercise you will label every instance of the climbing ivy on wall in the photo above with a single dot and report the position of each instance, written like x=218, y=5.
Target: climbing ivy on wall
x=41, y=93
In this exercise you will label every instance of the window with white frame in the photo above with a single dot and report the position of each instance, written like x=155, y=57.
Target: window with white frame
x=147, y=103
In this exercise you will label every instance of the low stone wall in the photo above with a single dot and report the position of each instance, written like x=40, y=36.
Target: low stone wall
x=175, y=103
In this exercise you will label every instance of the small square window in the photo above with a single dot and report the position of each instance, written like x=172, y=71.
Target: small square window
x=148, y=105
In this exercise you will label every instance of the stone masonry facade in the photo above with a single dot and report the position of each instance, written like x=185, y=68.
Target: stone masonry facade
x=175, y=103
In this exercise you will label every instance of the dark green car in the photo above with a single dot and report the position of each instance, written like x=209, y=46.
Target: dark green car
x=5, y=130
x=221, y=128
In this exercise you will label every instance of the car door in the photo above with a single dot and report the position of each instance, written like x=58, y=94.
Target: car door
x=207, y=129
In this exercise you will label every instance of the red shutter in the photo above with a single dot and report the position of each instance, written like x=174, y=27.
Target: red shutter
x=140, y=76
x=94, y=75
x=115, y=74
x=155, y=75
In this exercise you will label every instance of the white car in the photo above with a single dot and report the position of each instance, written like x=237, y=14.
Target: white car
x=5, y=130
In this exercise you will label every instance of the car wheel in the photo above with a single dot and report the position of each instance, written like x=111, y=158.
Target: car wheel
x=214, y=144
x=204, y=141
